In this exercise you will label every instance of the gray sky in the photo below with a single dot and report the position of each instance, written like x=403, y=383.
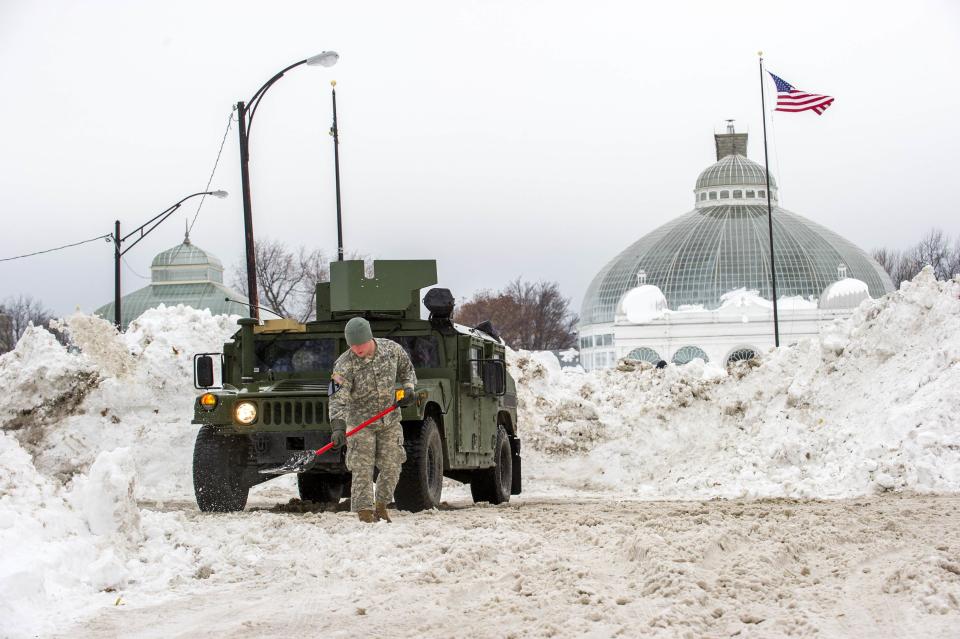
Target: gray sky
x=501, y=138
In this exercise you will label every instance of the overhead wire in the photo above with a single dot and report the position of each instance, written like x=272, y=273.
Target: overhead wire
x=130, y=268
x=203, y=197
x=216, y=163
x=107, y=236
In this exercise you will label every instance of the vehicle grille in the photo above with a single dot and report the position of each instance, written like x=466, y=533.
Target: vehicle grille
x=292, y=412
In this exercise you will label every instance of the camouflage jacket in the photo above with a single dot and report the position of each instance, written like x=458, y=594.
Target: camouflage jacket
x=367, y=385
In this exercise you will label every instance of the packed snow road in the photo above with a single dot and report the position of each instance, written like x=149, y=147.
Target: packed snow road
x=542, y=566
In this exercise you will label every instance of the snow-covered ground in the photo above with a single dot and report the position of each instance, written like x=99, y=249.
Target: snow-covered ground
x=100, y=536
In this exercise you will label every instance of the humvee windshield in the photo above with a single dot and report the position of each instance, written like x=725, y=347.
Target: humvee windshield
x=319, y=355
x=296, y=356
x=423, y=350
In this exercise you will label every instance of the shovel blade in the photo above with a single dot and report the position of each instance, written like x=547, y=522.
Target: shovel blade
x=296, y=464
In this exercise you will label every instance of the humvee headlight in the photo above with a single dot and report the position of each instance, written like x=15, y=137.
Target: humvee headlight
x=245, y=412
x=208, y=401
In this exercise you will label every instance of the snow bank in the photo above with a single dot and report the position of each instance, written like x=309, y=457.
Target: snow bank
x=112, y=390
x=60, y=544
x=869, y=407
x=85, y=431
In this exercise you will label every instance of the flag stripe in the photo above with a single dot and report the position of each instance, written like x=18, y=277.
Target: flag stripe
x=809, y=101
x=804, y=107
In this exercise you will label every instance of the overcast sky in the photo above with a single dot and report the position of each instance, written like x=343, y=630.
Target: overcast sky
x=502, y=138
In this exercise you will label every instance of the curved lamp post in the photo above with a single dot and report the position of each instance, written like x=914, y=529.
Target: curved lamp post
x=245, y=112
x=141, y=232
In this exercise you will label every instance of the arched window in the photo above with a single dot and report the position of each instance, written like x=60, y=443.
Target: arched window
x=751, y=194
x=688, y=354
x=713, y=195
x=737, y=194
x=724, y=195
x=644, y=354
x=741, y=354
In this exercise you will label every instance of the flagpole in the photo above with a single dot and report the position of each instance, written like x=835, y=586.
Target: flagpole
x=766, y=166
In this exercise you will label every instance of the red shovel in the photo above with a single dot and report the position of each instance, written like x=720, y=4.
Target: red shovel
x=302, y=461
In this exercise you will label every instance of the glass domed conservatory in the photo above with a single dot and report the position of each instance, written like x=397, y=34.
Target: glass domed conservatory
x=699, y=286
x=185, y=274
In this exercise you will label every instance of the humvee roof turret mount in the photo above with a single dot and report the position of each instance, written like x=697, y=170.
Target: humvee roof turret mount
x=265, y=396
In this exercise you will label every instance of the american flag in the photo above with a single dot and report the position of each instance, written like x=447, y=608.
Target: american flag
x=793, y=100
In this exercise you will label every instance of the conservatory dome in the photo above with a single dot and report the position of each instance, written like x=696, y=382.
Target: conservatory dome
x=723, y=245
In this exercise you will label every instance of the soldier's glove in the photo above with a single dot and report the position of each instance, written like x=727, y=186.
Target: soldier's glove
x=339, y=435
x=409, y=398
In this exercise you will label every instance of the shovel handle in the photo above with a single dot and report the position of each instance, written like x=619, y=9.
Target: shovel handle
x=353, y=431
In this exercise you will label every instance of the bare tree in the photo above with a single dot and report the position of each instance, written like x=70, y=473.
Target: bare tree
x=287, y=279
x=528, y=315
x=934, y=249
x=19, y=313
x=888, y=259
x=953, y=264
x=900, y=266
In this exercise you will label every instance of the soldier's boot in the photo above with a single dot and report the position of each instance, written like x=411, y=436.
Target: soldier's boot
x=382, y=514
x=367, y=516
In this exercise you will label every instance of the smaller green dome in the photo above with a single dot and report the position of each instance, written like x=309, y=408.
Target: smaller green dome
x=186, y=254
x=734, y=170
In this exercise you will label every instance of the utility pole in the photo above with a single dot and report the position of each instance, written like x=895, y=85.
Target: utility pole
x=249, y=247
x=336, y=169
x=116, y=273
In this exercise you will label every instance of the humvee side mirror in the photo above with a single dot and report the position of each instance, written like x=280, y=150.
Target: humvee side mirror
x=494, y=376
x=203, y=372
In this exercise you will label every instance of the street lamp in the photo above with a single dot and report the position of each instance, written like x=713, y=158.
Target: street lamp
x=245, y=112
x=143, y=230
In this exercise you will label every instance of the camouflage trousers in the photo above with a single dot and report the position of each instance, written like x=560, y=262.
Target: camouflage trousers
x=379, y=445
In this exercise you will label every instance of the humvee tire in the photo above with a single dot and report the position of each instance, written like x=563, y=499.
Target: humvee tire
x=493, y=484
x=218, y=467
x=321, y=488
x=421, y=478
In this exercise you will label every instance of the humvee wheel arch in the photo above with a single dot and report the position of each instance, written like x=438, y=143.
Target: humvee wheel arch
x=421, y=478
x=219, y=463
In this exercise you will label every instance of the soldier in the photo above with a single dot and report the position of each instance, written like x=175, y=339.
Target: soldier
x=367, y=375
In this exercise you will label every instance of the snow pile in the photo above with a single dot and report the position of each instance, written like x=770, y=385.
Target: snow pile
x=869, y=407
x=742, y=298
x=105, y=421
x=112, y=390
x=58, y=543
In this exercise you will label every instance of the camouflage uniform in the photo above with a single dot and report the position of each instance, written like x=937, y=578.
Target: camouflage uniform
x=366, y=388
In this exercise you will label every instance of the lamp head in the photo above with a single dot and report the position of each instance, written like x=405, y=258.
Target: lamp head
x=325, y=59
x=219, y=194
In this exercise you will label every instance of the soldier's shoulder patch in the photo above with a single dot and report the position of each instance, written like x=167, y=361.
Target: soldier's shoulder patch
x=338, y=378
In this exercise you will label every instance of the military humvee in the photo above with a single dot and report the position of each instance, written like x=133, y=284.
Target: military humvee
x=267, y=399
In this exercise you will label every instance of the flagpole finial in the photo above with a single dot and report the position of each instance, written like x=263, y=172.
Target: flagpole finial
x=333, y=83
x=760, y=53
